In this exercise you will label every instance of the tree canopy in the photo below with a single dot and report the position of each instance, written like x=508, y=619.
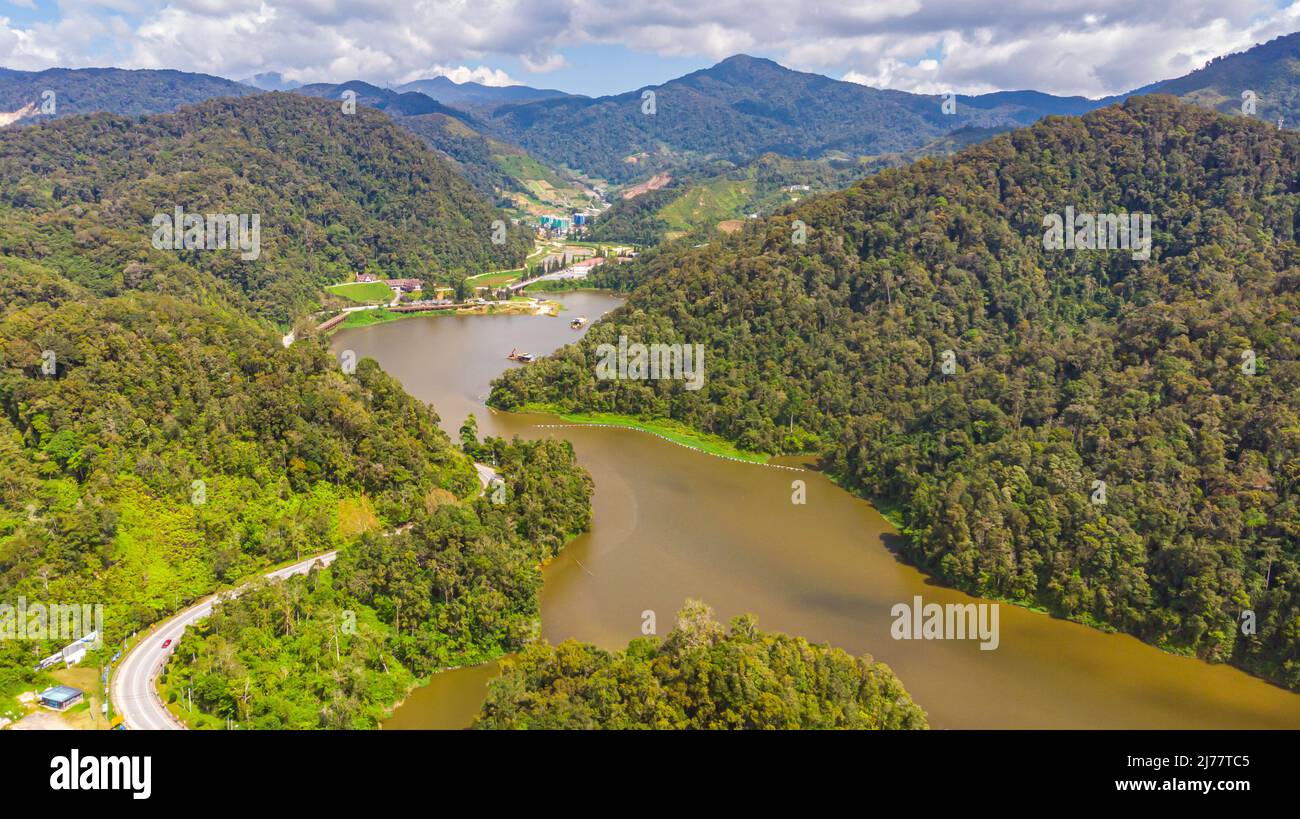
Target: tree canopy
x=1069, y=368
x=701, y=676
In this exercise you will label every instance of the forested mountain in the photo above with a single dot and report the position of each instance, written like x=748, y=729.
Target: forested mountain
x=473, y=155
x=509, y=176
x=473, y=95
x=700, y=677
x=448, y=131
x=337, y=194
x=1173, y=380
x=158, y=441
x=385, y=99
x=738, y=110
x=112, y=90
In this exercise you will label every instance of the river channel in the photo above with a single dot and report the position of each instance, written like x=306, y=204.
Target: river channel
x=671, y=523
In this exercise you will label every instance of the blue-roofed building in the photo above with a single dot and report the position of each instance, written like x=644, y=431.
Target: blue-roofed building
x=61, y=697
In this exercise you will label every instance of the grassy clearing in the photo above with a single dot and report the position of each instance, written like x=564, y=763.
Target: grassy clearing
x=365, y=318
x=495, y=279
x=363, y=292
x=665, y=428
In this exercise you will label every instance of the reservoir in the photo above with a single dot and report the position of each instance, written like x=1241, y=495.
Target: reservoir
x=671, y=523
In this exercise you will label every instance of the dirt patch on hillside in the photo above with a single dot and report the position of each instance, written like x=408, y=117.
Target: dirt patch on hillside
x=654, y=183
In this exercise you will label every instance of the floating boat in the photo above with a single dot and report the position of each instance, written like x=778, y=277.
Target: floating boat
x=526, y=358
x=578, y=323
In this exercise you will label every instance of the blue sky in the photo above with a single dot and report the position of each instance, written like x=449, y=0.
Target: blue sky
x=597, y=69
x=1090, y=47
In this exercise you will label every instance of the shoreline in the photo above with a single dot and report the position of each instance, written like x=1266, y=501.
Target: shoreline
x=892, y=512
x=671, y=431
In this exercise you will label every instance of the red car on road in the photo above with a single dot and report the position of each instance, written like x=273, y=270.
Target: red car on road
x=166, y=643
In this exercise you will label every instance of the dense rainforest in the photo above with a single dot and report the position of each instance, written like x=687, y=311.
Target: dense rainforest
x=157, y=439
x=1172, y=380
x=152, y=449
x=337, y=194
x=701, y=676
x=337, y=648
x=447, y=131
x=173, y=449
x=470, y=152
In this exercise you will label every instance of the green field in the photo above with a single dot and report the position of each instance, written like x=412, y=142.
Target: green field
x=363, y=292
x=495, y=279
x=365, y=318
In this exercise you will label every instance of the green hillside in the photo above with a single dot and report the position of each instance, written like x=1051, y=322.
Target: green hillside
x=699, y=203
x=176, y=447
x=159, y=442
x=1067, y=368
x=336, y=194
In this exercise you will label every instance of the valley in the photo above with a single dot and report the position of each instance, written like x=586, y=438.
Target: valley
x=725, y=394
x=670, y=523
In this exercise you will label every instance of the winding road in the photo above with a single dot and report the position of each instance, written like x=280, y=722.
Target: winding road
x=134, y=688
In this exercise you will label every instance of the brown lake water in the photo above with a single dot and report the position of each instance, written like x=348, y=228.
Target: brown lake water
x=671, y=523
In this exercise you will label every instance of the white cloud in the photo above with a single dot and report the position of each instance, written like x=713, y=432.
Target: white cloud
x=459, y=74
x=550, y=62
x=1091, y=47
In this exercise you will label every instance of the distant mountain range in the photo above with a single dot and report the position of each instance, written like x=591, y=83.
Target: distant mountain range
x=468, y=96
x=738, y=110
x=1271, y=71
x=473, y=94
x=271, y=81
x=399, y=103
x=114, y=90
x=744, y=107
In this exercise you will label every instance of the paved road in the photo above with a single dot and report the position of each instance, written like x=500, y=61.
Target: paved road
x=134, y=690
x=486, y=475
x=559, y=275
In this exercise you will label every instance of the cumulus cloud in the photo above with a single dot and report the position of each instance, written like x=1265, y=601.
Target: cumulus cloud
x=550, y=62
x=461, y=73
x=1090, y=47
